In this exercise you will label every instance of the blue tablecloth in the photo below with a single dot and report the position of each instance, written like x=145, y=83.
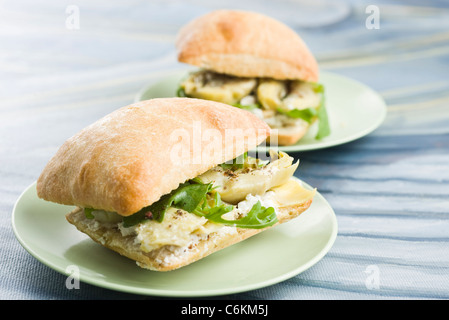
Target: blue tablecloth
x=389, y=190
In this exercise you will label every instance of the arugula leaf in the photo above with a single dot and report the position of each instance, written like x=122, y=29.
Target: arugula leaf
x=195, y=197
x=237, y=163
x=187, y=197
x=323, y=125
x=181, y=93
x=310, y=113
x=317, y=87
x=305, y=114
x=88, y=213
x=244, y=161
x=246, y=107
x=210, y=208
x=257, y=218
x=137, y=217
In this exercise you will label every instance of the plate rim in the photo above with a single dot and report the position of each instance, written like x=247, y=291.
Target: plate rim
x=180, y=293
x=297, y=148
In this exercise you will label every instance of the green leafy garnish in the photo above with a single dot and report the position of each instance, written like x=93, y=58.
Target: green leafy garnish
x=186, y=197
x=246, y=107
x=323, y=125
x=237, y=163
x=201, y=199
x=213, y=208
x=317, y=87
x=257, y=218
x=88, y=213
x=181, y=93
x=310, y=114
x=305, y=114
x=243, y=161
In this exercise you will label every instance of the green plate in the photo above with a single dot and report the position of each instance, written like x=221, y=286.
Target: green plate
x=270, y=257
x=354, y=109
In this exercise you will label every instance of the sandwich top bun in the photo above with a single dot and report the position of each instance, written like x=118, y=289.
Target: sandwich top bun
x=246, y=44
x=129, y=159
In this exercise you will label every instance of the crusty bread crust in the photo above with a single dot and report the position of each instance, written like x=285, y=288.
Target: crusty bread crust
x=123, y=162
x=246, y=44
x=164, y=259
x=288, y=135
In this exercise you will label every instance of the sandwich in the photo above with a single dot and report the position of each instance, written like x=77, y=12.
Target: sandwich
x=254, y=62
x=166, y=182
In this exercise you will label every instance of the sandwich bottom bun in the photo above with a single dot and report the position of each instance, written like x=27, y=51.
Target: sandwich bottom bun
x=291, y=200
x=287, y=136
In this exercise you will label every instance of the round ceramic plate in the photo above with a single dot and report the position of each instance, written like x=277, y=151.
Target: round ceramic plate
x=354, y=110
x=262, y=260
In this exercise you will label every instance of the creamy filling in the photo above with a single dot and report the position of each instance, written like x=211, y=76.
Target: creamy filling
x=269, y=99
x=183, y=229
x=242, y=187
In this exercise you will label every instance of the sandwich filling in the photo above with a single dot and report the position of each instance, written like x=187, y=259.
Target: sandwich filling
x=280, y=103
x=244, y=193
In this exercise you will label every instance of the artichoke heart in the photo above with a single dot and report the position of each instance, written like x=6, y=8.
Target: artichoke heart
x=301, y=96
x=270, y=93
x=218, y=87
x=234, y=186
x=292, y=193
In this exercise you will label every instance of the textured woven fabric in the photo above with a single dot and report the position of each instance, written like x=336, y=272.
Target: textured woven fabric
x=389, y=189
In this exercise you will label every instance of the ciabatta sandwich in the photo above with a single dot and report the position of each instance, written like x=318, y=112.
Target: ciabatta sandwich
x=166, y=182
x=257, y=63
